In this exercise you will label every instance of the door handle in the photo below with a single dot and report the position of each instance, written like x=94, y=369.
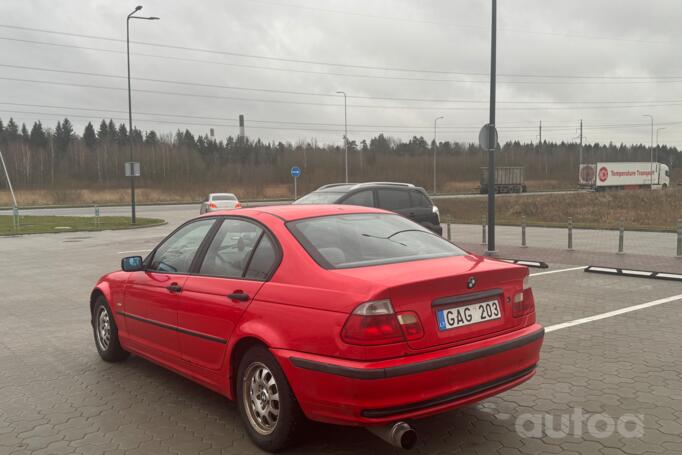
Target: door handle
x=174, y=287
x=238, y=295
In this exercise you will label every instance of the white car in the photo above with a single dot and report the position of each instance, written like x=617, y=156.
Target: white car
x=219, y=201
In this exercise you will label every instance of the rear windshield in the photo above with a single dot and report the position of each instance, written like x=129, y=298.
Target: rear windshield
x=320, y=197
x=223, y=197
x=360, y=240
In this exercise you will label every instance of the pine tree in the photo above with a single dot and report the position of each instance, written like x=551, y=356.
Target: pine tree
x=151, y=138
x=103, y=131
x=122, y=135
x=11, y=131
x=90, y=138
x=37, y=137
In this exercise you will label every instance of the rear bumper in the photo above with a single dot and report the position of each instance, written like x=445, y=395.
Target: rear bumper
x=372, y=393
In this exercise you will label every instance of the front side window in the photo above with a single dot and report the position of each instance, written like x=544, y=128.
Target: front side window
x=364, y=198
x=230, y=249
x=175, y=255
x=359, y=240
x=394, y=199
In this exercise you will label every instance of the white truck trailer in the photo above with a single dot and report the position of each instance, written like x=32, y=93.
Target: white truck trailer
x=620, y=176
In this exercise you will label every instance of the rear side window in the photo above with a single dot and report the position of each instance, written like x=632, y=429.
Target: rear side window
x=394, y=199
x=263, y=260
x=360, y=240
x=231, y=249
x=363, y=198
x=320, y=197
x=420, y=200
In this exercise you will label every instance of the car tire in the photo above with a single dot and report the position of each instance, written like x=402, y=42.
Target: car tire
x=259, y=373
x=106, y=332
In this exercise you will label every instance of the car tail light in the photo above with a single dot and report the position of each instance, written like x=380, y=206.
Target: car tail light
x=411, y=325
x=375, y=323
x=238, y=205
x=523, y=301
x=213, y=205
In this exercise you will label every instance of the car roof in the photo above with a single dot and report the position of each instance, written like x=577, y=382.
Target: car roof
x=297, y=212
x=346, y=187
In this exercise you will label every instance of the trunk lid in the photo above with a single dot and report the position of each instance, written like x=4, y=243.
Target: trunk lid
x=430, y=286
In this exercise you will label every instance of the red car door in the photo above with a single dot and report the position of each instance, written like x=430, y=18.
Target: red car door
x=239, y=259
x=152, y=296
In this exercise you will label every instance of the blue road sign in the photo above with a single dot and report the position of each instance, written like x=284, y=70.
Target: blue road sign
x=295, y=171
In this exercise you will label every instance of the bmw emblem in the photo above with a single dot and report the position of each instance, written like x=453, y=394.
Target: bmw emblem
x=471, y=282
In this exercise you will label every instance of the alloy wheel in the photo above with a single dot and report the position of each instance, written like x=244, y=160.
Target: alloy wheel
x=261, y=398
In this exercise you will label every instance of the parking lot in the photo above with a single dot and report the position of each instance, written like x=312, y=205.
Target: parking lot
x=57, y=396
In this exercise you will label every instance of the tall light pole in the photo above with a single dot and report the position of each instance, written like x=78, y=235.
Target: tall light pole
x=651, y=149
x=491, y=138
x=133, y=218
x=345, y=129
x=435, y=147
x=657, y=147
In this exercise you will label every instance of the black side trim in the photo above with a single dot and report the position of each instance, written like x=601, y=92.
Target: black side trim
x=413, y=368
x=386, y=412
x=467, y=297
x=527, y=263
x=634, y=273
x=170, y=327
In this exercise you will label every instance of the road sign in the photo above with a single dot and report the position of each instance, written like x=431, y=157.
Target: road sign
x=132, y=169
x=484, y=137
x=295, y=173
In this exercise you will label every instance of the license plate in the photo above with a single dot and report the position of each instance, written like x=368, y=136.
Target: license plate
x=468, y=314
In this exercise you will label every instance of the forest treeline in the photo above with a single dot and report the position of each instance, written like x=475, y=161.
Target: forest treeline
x=61, y=158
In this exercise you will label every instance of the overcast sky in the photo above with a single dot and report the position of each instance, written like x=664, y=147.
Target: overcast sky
x=402, y=63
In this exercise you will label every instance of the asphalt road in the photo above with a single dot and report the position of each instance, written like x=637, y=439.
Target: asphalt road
x=57, y=396
x=168, y=208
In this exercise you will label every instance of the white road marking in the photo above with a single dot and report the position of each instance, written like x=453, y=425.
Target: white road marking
x=558, y=271
x=611, y=314
x=133, y=251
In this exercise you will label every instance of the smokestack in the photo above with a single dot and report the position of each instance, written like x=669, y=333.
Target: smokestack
x=242, y=135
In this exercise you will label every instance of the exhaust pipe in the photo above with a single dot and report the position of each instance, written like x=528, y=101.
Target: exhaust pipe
x=399, y=434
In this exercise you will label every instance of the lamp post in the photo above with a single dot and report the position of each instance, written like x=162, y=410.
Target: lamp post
x=345, y=129
x=651, y=150
x=133, y=218
x=435, y=147
x=492, y=139
x=657, y=130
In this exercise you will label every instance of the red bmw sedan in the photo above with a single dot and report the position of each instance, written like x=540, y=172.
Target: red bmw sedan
x=340, y=314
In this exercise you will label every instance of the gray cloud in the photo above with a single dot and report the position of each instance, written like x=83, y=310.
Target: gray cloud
x=598, y=38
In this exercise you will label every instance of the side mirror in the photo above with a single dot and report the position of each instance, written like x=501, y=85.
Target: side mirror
x=132, y=264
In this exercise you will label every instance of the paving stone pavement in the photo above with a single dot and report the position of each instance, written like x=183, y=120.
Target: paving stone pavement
x=58, y=397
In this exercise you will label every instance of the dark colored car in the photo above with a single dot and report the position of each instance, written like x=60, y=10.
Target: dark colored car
x=403, y=198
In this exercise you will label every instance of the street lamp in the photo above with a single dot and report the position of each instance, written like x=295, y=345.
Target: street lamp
x=657, y=147
x=133, y=218
x=651, y=150
x=435, y=146
x=345, y=128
